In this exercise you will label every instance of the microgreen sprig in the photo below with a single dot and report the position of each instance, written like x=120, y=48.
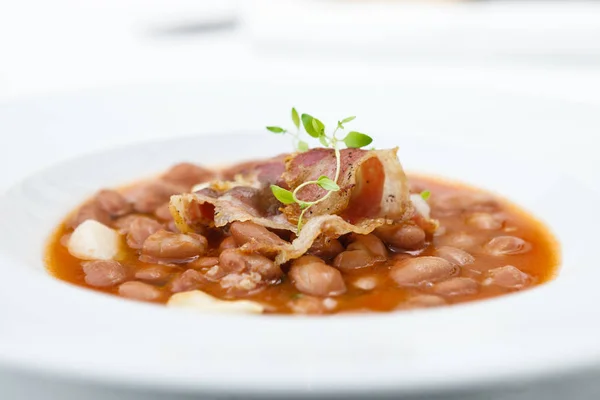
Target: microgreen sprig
x=299, y=144
x=316, y=129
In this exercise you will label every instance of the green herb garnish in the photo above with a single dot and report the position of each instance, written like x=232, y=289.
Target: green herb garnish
x=316, y=129
x=425, y=195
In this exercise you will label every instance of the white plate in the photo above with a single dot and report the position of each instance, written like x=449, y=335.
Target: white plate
x=56, y=329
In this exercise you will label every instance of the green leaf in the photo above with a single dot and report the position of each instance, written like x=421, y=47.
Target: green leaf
x=323, y=140
x=302, y=146
x=356, y=140
x=327, y=184
x=319, y=126
x=425, y=195
x=284, y=196
x=295, y=118
x=307, y=122
x=276, y=129
x=348, y=119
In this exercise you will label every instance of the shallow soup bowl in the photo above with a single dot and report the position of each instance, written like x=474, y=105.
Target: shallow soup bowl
x=51, y=327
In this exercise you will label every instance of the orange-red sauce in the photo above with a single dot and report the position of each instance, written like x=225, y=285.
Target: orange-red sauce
x=539, y=262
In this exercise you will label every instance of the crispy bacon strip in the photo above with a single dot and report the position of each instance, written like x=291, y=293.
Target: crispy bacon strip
x=373, y=192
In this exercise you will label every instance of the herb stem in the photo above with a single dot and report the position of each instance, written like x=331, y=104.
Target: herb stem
x=309, y=204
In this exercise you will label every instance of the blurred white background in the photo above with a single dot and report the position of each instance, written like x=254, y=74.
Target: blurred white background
x=66, y=45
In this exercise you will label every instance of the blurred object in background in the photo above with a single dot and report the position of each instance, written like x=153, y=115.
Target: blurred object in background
x=541, y=31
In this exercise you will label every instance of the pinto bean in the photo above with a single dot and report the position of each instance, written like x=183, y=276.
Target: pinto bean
x=163, y=213
x=316, y=278
x=424, y=300
x=188, y=280
x=247, y=231
x=104, y=273
x=227, y=243
x=407, y=237
x=462, y=240
x=147, y=197
x=354, y=259
x=154, y=274
x=509, y=277
x=174, y=247
x=122, y=224
x=455, y=256
x=89, y=211
x=187, y=174
x=242, y=284
x=457, y=286
x=307, y=305
x=507, y=245
x=326, y=247
x=418, y=270
x=204, y=262
x=235, y=261
x=139, y=229
x=113, y=203
x=484, y=221
x=139, y=291
x=369, y=243
x=453, y=204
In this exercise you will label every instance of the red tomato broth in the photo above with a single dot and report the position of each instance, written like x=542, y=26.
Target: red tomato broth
x=539, y=262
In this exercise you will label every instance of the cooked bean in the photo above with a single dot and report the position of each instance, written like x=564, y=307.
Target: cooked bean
x=174, y=247
x=154, y=274
x=370, y=243
x=139, y=229
x=509, y=277
x=353, y=259
x=187, y=174
x=326, y=247
x=307, y=305
x=88, y=211
x=204, y=262
x=104, y=273
x=457, y=286
x=122, y=224
x=425, y=300
x=506, y=245
x=456, y=203
x=316, y=278
x=64, y=240
x=147, y=197
x=484, y=221
x=407, y=237
x=234, y=261
x=455, y=256
x=113, y=203
x=171, y=226
x=188, y=280
x=242, y=284
x=139, y=291
x=244, y=232
x=227, y=243
x=163, y=213
x=418, y=270
x=462, y=240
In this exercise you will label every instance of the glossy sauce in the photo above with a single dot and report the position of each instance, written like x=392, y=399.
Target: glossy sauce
x=459, y=227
